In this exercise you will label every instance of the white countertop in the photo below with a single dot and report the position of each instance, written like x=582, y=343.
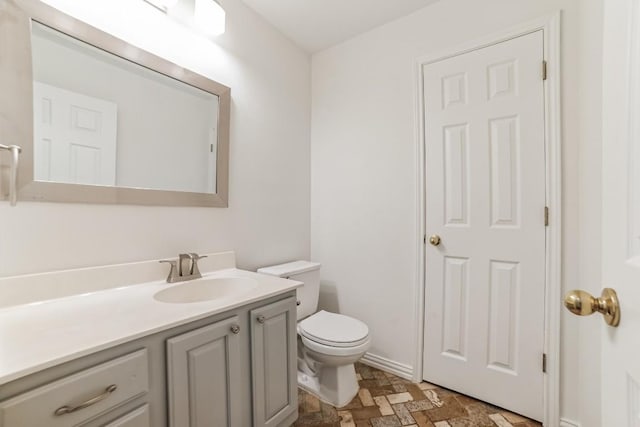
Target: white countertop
x=43, y=334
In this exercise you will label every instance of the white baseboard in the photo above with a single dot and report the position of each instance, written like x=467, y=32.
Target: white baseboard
x=395, y=368
x=568, y=423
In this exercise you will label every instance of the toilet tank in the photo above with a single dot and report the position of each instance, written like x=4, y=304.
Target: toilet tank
x=306, y=272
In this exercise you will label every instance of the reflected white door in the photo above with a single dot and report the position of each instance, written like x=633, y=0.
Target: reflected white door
x=485, y=198
x=212, y=161
x=621, y=213
x=75, y=137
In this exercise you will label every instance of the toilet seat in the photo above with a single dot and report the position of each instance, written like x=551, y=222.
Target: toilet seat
x=334, y=330
x=328, y=350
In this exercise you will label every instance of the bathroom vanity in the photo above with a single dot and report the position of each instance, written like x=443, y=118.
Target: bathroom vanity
x=122, y=357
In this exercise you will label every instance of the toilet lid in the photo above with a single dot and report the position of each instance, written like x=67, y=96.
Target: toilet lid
x=333, y=329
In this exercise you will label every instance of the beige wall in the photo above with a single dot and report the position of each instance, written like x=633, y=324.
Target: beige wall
x=268, y=216
x=364, y=172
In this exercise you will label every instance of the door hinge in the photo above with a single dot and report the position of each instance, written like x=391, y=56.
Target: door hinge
x=544, y=70
x=546, y=216
x=424, y=239
x=544, y=363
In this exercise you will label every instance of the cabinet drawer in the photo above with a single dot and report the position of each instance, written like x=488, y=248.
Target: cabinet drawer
x=96, y=389
x=136, y=418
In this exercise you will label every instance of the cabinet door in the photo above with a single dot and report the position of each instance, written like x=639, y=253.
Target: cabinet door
x=274, y=359
x=136, y=418
x=204, y=376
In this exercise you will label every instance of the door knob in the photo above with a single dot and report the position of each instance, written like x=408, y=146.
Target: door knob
x=435, y=240
x=583, y=303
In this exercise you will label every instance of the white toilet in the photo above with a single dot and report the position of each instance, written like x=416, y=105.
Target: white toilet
x=328, y=343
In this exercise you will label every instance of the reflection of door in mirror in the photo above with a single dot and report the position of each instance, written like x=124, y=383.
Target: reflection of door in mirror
x=165, y=135
x=104, y=121
x=74, y=137
x=212, y=160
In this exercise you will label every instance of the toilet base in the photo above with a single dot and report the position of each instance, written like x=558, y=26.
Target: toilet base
x=335, y=385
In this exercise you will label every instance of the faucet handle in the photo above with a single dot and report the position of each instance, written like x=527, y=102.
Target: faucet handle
x=194, y=263
x=185, y=265
x=172, y=271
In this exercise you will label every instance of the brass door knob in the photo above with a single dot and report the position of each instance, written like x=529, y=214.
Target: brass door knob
x=583, y=303
x=435, y=240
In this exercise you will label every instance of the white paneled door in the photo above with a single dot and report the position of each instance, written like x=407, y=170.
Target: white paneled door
x=621, y=214
x=74, y=137
x=485, y=201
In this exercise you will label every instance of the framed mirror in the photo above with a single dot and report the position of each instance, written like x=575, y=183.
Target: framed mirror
x=102, y=121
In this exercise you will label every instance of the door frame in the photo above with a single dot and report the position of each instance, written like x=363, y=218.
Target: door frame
x=550, y=26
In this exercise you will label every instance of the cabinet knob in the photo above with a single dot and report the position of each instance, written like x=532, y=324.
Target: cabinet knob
x=235, y=329
x=261, y=319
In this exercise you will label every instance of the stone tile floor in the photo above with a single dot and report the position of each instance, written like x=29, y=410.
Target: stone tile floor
x=385, y=400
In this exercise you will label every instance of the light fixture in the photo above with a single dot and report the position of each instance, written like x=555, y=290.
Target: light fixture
x=206, y=16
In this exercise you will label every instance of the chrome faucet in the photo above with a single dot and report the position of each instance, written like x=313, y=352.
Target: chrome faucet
x=184, y=268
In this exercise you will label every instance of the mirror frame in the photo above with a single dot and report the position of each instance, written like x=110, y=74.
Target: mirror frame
x=16, y=109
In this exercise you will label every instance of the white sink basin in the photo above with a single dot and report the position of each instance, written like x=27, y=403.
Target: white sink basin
x=206, y=290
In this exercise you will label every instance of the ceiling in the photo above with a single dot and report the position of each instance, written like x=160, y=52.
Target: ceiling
x=315, y=25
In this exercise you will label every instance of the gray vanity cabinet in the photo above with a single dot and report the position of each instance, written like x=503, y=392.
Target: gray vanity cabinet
x=200, y=374
x=273, y=359
x=204, y=374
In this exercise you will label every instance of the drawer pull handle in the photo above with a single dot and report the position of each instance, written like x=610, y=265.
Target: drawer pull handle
x=261, y=319
x=69, y=409
x=235, y=329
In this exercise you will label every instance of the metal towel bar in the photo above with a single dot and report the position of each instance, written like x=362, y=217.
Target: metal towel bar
x=13, y=174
